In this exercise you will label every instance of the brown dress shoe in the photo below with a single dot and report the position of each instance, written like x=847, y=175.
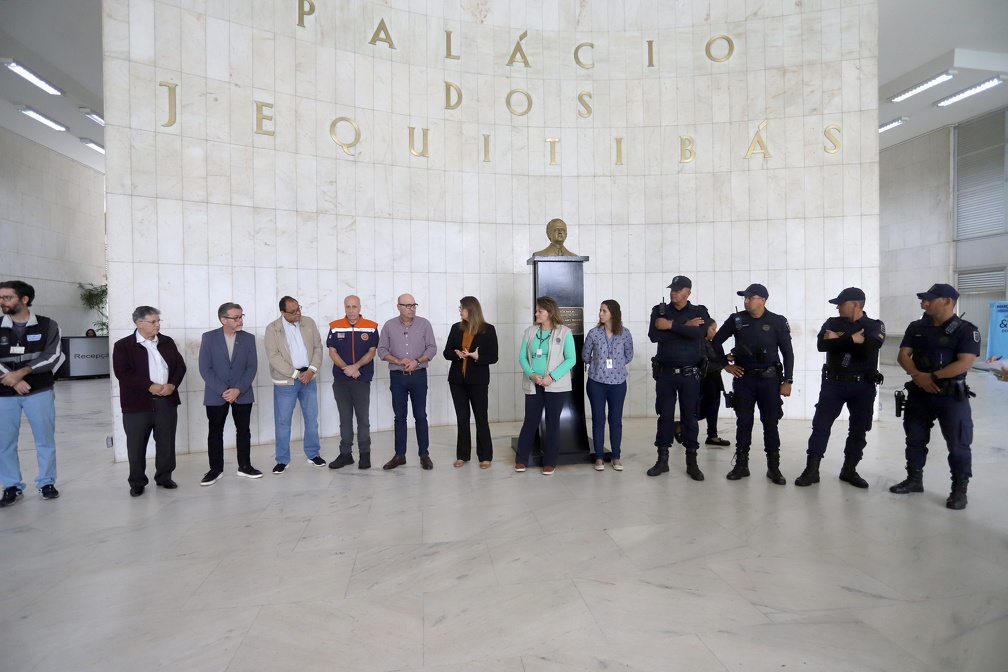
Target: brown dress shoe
x=426, y=462
x=394, y=462
x=485, y=464
x=459, y=463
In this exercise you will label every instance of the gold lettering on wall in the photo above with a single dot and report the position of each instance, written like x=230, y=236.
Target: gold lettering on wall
x=486, y=148
x=261, y=116
x=686, y=152
x=518, y=53
x=528, y=102
x=172, y=103
x=577, y=55
x=305, y=8
x=553, y=143
x=584, y=98
x=347, y=146
x=448, y=47
x=757, y=141
x=412, y=145
x=650, y=53
x=381, y=34
x=619, y=151
x=728, y=54
x=449, y=88
x=832, y=134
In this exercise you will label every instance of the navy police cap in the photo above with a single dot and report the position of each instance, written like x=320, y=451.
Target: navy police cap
x=849, y=294
x=754, y=289
x=939, y=291
x=681, y=282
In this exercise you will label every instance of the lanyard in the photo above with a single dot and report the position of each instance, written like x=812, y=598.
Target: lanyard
x=543, y=339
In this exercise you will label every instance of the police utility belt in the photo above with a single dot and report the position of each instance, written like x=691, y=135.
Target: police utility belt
x=659, y=369
x=947, y=387
x=762, y=372
x=874, y=377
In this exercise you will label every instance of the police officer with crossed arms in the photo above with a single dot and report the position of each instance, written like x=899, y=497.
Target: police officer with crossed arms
x=851, y=341
x=937, y=351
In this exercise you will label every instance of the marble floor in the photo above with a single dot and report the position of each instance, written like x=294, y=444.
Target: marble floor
x=472, y=570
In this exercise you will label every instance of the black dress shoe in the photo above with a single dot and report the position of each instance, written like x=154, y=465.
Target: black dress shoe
x=426, y=462
x=717, y=441
x=136, y=490
x=365, y=461
x=169, y=484
x=341, y=461
x=394, y=462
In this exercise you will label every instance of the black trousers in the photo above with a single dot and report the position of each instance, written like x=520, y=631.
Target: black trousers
x=217, y=415
x=465, y=395
x=162, y=422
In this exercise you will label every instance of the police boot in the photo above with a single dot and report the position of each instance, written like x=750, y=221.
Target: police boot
x=849, y=475
x=741, y=467
x=773, y=468
x=691, y=467
x=957, y=499
x=914, y=482
x=811, y=473
x=661, y=466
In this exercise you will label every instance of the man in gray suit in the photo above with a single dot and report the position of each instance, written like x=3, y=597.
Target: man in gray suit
x=227, y=362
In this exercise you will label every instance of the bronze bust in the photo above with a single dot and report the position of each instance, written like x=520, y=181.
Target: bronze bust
x=556, y=231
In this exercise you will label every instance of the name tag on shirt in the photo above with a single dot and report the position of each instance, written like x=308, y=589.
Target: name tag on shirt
x=538, y=352
x=17, y=350
x=34, y=337
x=608, y=363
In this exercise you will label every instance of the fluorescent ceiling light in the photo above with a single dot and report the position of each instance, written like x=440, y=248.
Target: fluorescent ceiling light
x=924, y=86
x=19, y=69
x=93, y=145
x=893, y=124
x=989, y=84
x=92, y=115
x=41, y=119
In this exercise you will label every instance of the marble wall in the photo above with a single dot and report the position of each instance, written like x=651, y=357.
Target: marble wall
x=916, y=227
x=206, y=209
x=52, y=228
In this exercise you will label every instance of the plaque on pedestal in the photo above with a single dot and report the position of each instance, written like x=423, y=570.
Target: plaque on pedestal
x=562, y=278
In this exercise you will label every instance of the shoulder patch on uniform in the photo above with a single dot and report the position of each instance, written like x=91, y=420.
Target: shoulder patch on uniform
x=976, y=335
x=787, y=326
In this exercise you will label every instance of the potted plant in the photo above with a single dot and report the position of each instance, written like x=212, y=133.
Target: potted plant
x=95, y=297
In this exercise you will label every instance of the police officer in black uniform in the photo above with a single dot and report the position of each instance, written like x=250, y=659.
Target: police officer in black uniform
x=851, y=341
x=678, y=328
x=760, y=378
x=937, y=351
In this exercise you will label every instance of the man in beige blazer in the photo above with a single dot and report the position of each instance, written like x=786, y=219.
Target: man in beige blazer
x=294, y=351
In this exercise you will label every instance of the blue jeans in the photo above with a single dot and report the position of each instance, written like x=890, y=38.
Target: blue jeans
x=600, y=394
x=535, y=404
x=413, y=387
x=40, y=409
x=285, y=397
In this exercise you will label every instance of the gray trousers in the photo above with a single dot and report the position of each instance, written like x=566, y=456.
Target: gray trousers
x=353, y=397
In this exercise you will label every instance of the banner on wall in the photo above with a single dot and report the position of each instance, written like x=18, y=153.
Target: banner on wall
x=997, y=332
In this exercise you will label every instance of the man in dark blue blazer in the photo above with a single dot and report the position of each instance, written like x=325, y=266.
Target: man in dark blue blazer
x=228, y=364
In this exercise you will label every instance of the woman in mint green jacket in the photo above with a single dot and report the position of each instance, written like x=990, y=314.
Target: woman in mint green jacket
x=547, y=355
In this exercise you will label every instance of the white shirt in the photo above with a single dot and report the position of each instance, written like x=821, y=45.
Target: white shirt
x=155, y=362
x=298, y=352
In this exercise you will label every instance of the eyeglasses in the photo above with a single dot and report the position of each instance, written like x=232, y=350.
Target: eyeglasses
x=235, y=317
x=9, y=297
x=409, y=305
x=293, y=312
x=150, y=321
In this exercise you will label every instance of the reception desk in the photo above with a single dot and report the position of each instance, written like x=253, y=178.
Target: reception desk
x=85, y=357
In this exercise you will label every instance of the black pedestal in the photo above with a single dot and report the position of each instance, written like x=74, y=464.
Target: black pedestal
x=563, y=279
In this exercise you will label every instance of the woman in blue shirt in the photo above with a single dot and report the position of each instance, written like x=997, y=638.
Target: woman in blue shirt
x=608, y=348
x=547, y=355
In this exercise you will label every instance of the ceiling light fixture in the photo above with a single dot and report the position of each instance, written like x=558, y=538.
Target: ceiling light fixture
x=19, y=69
x=924, y=86
x=972, y=91
x=87, y=142
x=42, y=119
x=893, y=124
x=92, y=115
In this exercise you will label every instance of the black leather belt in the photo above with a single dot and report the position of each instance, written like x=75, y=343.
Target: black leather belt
x=682, y=370
x=414, y=372
x=766, y=372
x=849, y=377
